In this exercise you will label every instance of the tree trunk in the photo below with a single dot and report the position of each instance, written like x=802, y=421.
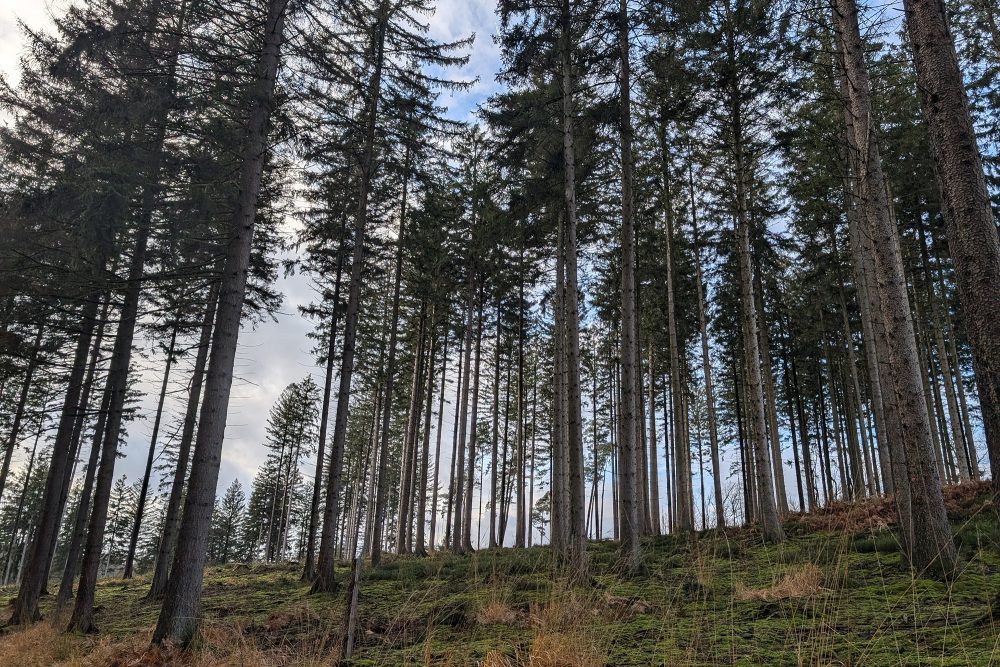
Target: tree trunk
x=178, y=618
x=495, y=436
x=34, y=574
x=930, y=543
x=381, y=487
x=706, y=360
x=458, y=455
x=756, y=410
x=171, y=520
x=325, y=581
x=22, y=401
x=140, y=505
x=424, y=470
x=470, y=482
x=309, y=571
x=682, y=450
x=432, y=544
x=628, y=428
x=971, y=227
x=408, y=472
x=574, y=420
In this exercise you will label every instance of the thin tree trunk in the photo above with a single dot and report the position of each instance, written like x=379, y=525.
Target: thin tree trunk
x=171, y=520
x=408, y=470
x=458, y=455
x=325, y=581
x=20, y=501
x=22, y=401
x=470, y=482
x=309, y=571
x=381, y=488
x=140, y=505
x=628, y=428
x=713, y=430
x=495, y=436
x=34, y=574
x=420, y=548
x=458, y=452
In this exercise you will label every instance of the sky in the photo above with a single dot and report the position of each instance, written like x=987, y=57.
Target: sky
x=275, y=353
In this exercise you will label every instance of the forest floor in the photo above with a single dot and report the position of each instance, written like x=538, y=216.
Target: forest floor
x=833, y=594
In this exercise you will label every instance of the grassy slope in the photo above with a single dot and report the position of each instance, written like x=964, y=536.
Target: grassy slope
x=826, y=597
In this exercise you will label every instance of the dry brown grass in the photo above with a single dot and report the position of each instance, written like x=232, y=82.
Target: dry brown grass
x=870, y=515
x=496, y=659
x=41, y=644
x=565, y=649
x=219, y=645
x=562, y=634
x=801, y=582
x=495, y=612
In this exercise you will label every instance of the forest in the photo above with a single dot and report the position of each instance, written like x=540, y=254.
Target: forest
x=673, y=339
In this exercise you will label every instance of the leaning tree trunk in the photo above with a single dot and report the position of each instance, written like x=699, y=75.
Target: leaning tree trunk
x=82, y=619
x=34, y=574
x=971, y=227
x=929, y=542
x=179, y=616
x=79, y=533
x=22, y=401
x=80, y=520
x=171, y=520
x=140, y=505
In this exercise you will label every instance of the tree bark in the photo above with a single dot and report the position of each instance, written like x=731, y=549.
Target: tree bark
x=929, y=543
x=178, y=618
x=971, y=227
x=628, y=427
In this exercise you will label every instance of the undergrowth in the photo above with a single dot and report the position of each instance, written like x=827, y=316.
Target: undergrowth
x=835, y=593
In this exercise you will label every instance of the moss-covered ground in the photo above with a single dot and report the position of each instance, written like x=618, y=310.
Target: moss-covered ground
x=824, y=597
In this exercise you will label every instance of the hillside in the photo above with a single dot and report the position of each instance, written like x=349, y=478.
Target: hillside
x=834, y=594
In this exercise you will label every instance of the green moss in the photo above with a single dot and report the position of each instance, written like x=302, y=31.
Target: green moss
x=688, y=607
